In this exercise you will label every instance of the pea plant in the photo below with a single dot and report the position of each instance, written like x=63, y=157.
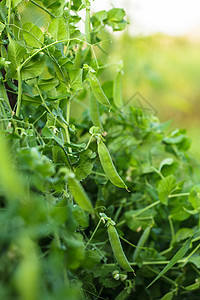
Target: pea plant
x=98, y=200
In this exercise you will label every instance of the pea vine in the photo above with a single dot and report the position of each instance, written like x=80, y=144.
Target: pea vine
x=90, y=187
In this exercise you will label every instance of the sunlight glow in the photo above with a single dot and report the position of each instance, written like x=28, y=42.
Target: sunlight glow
x=173, y=17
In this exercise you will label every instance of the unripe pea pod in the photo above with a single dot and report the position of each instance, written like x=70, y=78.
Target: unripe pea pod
x=117, y=249
x=79, y=194
x=94, y=111
x=141, y=242
x=123, y=295
x=97, y=90
x=108, y=166
x=117, y=90
x=87, y=25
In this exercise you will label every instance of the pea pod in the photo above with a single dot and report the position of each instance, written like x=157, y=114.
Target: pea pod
x=123, y=295
x=79, y=194
x=117, y=249
x=94, y=111
x=117, y=90
x=87, y=25
x=141, y=242
x=108, y=166
x=97, y=90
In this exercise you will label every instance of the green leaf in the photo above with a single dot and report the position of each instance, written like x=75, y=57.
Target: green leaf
x=47, y=84
x=182, y=234
x=195, y=259
x=101, y=15
x=92, y=258
x=165, y=187
x=194, y=286
x=116, y=14
x=81, y=216
x=136, y=219
x=33, y=35
x=58, y=29
x=168, y=296
x=59, y=156
x=16, y=54
x=168, y=166
x=49, y=134
x=179, y=255
x=85, y=164
x=194, y=197
x=75, y=79
x=34, y=67
x=16, y=2
x=2, y=26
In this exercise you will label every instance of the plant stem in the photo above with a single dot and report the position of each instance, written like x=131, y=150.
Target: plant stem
x=54, y=43
x=178, y=195
x=89, y=142
x=170, y=281
x=66, y=128
x=69, y=5
x=157, y=262
x=9, y=16
x=93, y=233
x=141, y=211
x=43, y=8
x=44, y=103
x=187, y=258
x=98, y=173
x=171, y=228
x=19, y=98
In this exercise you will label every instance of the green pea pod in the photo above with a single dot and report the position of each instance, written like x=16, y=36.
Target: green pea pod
x=97, y=90
x=94, y=111
x=117, y=249
x=123, y=295
x=108, y=166
x=117, y=90
x=79, y=194
x=87, y=25
x=141, y=242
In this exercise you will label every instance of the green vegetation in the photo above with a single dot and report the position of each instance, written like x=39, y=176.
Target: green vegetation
x=165, y=71
x=98, y=199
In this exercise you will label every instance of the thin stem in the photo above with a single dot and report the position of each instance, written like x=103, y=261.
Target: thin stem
x=52, y=44
x=158, y=172
x=178, y=195
x=9, y=16
x=161, y=262
x=89, y=142
x=66, y=128
x=166, y=250
x=188, y=257
x=69, y=5
x=19, y=98
x=43, y=8
x=44, y=103
x=134, y=246
x=93, y=233
x=98, y=173
x=141, y=211
x=171, y=228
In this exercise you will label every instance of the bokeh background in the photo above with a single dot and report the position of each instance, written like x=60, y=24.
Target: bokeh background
x=161, y=53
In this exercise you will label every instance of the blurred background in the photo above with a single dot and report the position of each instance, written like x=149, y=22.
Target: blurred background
x=161, y=53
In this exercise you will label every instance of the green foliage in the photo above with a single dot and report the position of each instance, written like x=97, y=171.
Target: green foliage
x=74, y=161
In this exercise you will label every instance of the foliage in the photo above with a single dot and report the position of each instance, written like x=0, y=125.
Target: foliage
x=57, y=201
